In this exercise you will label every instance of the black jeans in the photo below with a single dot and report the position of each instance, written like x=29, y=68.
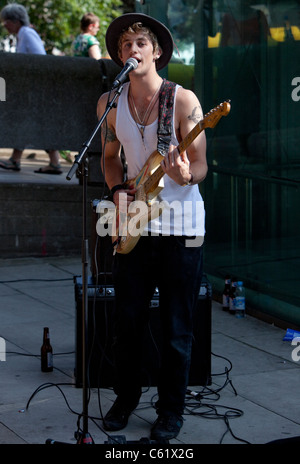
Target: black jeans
x=166, y=263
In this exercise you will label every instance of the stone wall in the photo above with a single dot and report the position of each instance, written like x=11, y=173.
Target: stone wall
x=51, y=100
x=50, y=103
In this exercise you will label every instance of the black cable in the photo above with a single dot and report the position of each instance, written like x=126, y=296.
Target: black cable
x=194, y=404
x=212, y=411
x=47, y=385
x=226, y=359
x=34, y=280
x=58, y=385
x=37, y=355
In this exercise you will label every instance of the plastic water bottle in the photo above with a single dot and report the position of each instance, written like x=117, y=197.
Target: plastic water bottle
x=240, y=300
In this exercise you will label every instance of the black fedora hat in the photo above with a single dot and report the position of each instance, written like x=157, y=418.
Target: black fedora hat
x=123, y=22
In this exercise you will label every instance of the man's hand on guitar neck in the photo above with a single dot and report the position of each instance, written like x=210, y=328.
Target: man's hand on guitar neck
x=177, y=166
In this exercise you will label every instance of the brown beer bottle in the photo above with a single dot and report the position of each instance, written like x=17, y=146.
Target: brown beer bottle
x=46, y=353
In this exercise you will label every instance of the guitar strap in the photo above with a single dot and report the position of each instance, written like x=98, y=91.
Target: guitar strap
x=165, y=116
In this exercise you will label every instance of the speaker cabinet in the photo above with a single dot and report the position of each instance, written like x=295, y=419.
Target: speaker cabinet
x=99, y=337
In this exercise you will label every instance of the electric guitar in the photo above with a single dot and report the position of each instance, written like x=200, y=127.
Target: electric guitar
x=130, y=223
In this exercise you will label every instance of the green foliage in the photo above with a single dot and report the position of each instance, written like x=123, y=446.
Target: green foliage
x=58, y=21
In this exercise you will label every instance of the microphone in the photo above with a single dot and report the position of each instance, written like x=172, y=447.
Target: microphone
x=130, y=64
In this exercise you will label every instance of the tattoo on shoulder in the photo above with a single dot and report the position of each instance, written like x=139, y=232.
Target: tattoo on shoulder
x=196, y=115
x=110, y=135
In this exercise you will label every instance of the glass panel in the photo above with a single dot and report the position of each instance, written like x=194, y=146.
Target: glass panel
x=254, y=153
x=248, y=52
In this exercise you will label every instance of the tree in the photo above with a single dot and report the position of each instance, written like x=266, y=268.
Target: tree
x=58, y=21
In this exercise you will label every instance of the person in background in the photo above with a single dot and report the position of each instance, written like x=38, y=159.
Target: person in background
x=16, y=20
x=86, y=43
x=244, y=29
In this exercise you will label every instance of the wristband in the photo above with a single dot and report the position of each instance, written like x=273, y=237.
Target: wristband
x=116, y=187
x=190, y=182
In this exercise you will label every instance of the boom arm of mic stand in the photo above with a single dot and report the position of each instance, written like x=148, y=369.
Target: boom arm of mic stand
x=81, y=156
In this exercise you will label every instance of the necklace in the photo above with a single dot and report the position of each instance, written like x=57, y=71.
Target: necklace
x=142, y=122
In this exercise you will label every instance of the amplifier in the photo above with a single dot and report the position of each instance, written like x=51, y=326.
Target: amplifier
x=99, y=337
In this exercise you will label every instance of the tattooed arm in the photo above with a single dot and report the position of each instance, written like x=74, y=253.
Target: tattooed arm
x=191, y=166
x=111, y=163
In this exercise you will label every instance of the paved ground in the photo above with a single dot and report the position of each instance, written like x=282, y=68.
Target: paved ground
x=30, y=163
x=254, y=397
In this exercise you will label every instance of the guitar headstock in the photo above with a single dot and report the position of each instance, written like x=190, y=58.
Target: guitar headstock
x=212, y=118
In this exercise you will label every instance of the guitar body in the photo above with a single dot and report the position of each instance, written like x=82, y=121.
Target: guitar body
x=131, y=224
x=146, y=172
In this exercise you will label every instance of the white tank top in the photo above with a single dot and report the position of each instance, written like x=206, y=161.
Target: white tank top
x=183, y=212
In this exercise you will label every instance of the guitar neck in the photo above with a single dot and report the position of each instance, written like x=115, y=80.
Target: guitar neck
x=209, y=120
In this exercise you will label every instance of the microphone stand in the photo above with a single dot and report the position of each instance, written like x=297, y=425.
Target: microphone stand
x=84, y=437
